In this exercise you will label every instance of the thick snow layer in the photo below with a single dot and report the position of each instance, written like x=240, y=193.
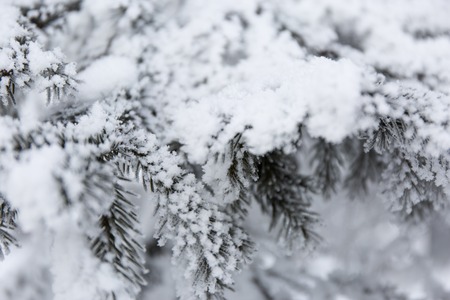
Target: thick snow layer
x=107, y=74
x=269, y=103
x=10, y=28
x=30, y=182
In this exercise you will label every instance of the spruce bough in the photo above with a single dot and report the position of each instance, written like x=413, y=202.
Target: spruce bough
x=219, y=132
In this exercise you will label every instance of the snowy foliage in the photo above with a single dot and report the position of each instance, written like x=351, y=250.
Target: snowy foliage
x=217, y=129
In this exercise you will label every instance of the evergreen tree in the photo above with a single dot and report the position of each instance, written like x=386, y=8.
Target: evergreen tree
x=211, y=132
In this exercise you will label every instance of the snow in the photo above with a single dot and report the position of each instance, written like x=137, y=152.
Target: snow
x=272, y=100
x=39, y=59
x=33, y=190
x=5, y=62
x=88, y=278
x=94, y=123
x=107, y=74
x=26, y=257
x=193, y=76
x=10, y=28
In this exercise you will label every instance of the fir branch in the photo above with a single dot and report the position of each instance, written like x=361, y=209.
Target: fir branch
x=205, y=237
x=302, y=42
x=414, y=195
x=389, y=131
x=413, y=179
x=17, y=50
x=365, y=167
x=57, y=78
x=117, y=242
x=7, y=83
x=44, y=15
x=328, y=161
x=242, y=173
x=242, y=163
x=239, y=207
x=8, y=224
x=207, y=242
x=286, y=196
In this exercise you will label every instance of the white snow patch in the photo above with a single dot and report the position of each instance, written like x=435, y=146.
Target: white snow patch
x=32, y=189
x=106, y=75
